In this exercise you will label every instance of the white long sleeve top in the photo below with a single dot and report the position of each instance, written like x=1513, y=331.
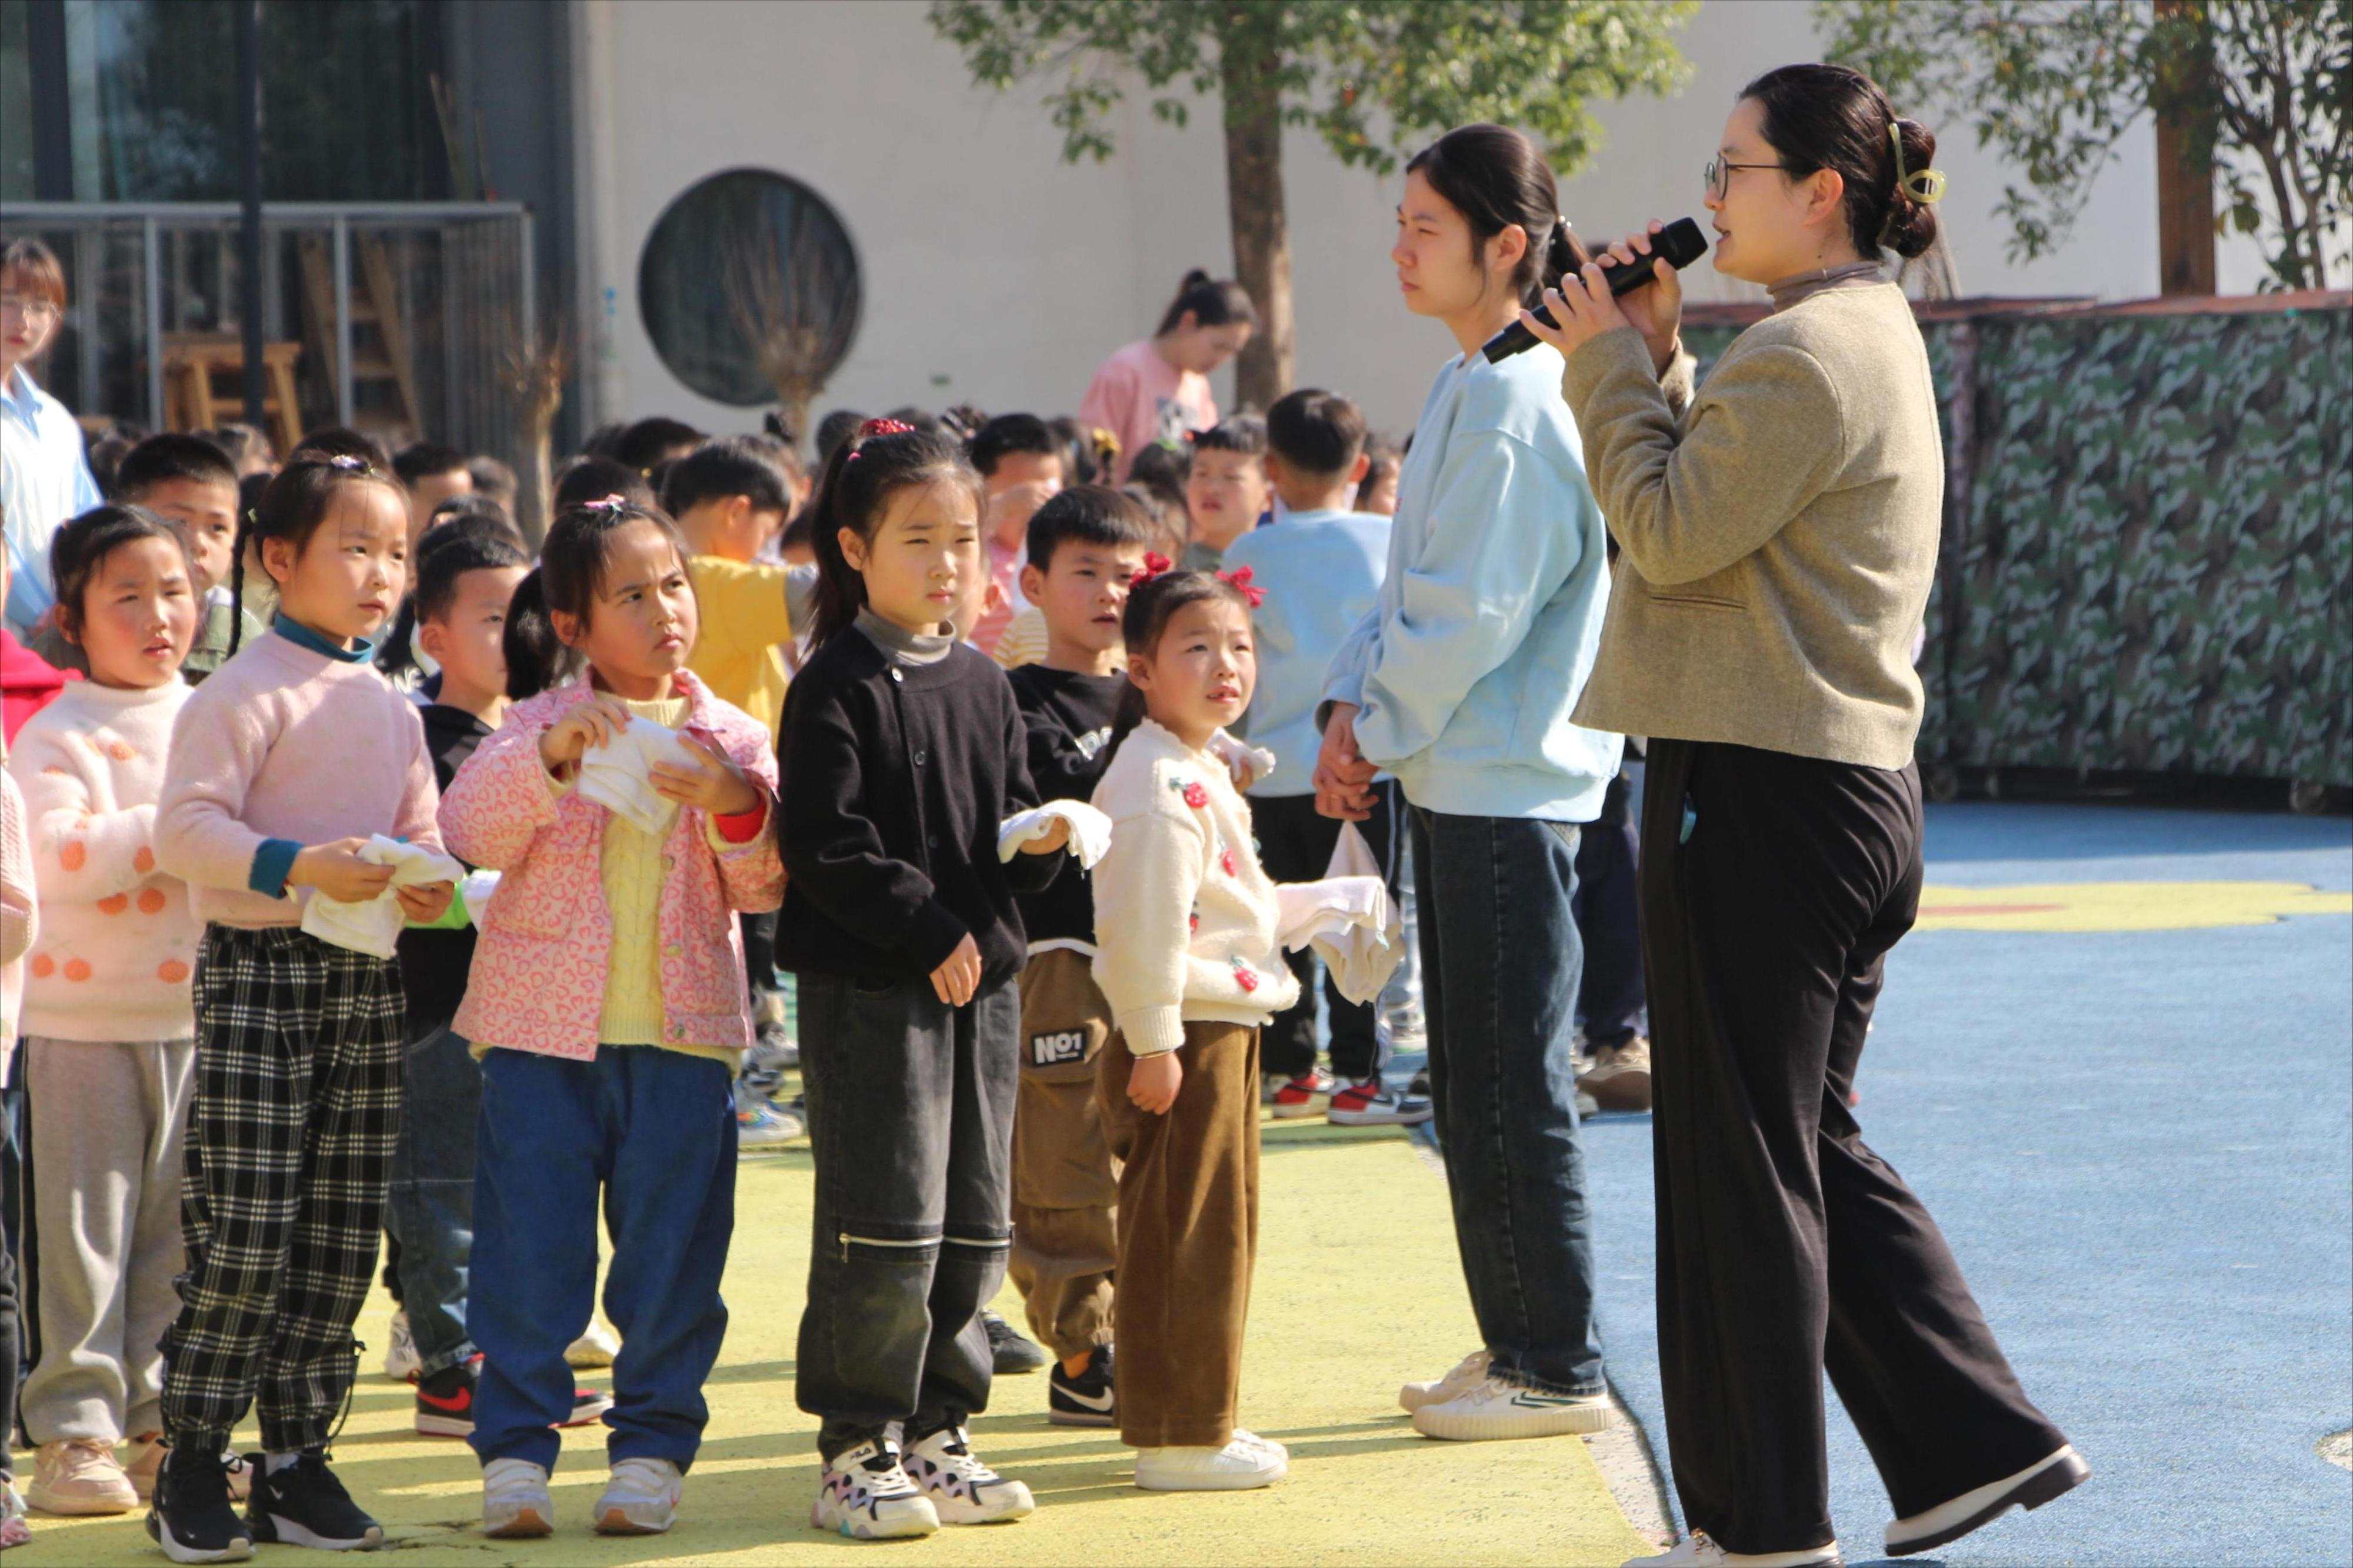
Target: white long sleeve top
x=1185, y=916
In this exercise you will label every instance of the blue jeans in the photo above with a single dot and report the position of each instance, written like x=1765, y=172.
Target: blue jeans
x=655, y=1130
x=1501, y=962
x=429, y=1207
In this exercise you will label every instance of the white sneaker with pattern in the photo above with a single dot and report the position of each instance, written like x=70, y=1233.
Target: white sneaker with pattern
x=864, y=1494
x=1493, y=1408
x=963, y=1490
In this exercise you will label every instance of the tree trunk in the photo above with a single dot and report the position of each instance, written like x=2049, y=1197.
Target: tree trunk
x=1253, y=120
x=2185, y=174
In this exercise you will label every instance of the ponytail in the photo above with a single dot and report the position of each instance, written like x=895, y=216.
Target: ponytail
x=536, y=658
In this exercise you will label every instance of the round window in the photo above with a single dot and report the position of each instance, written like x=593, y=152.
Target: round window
x=749, y=288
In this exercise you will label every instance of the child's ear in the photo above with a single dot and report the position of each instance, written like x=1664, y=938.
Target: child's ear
x=1271, y=466
x=1139, y=672
x=1033, y=583
x=854, y=549
x=278, y=559
x=568, y=630
x=1360, y=467
x=432, y=636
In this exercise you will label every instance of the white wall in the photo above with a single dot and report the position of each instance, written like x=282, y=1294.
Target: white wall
x=996, y=274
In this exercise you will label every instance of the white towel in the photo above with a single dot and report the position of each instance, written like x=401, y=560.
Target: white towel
x=618, y=778
x=1348, y=917
x=1238, y=755
x=1089, y=830
x=372, y=925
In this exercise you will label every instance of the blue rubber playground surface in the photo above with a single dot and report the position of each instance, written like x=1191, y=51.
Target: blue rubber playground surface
x=2134, y=1120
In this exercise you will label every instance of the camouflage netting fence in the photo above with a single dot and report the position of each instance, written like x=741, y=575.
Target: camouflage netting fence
x=2147, y=563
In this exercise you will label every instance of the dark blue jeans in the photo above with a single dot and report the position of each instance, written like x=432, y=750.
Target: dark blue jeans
x=911, y=1119
x=429, y=1209
x=1499, y=965
x=655, y=1130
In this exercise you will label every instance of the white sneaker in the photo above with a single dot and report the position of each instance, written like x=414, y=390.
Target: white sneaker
x=641, y=1498
x=595, y=1347
x=1242, y=1465
x=2032, y=1487
x=515, y=1504
x=80, y=1475
x=1467, y=1371
x=864, y=1494
x=1697, y=1550
x=1491, y=1408
x=961, y=1489
x=1264, y=1444
x=400, y=1360
x=766, y=1126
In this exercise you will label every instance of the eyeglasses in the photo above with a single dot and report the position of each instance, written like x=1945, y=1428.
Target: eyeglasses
x=30, y=307
x=1719, y=174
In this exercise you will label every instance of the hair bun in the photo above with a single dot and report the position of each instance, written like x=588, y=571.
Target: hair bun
x=1910, y=222
x=1195, y=279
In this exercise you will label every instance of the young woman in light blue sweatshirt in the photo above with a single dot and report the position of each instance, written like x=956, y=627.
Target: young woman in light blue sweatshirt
x=1460, y=683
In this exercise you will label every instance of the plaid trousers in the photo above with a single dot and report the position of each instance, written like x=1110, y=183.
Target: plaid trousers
x=290, y=1150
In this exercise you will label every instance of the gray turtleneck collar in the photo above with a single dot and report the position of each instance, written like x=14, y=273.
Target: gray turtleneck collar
x=1797, y=286
x=899, y=645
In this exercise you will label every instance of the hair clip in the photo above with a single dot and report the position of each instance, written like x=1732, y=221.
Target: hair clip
x=1240, y=580
x=1154, y=565
x=1925, y=187
x=873, y=427
x=348, y=463
x=610, y=503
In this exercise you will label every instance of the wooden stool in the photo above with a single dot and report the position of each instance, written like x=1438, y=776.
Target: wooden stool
x=190, y=401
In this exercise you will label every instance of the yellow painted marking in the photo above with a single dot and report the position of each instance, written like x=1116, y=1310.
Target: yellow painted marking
x=2123, y=906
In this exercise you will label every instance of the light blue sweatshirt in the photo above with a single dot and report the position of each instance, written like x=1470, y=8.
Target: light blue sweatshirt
x=1322, y=572
x=1465, y=671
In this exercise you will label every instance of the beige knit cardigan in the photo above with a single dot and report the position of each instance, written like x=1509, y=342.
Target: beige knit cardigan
x=1778, y=531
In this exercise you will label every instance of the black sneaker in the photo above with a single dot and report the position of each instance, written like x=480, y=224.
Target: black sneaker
x=445, y=1402
x=191, y=1516
x=1086, y=1400
x=1009, y=1349
x=304, y=1505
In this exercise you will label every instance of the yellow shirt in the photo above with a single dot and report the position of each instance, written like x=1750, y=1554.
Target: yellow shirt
x=744, y=621
x=1024, y=641
x=632, y=869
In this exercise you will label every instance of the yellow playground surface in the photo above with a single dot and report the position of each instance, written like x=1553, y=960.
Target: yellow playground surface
x=1357, y=1291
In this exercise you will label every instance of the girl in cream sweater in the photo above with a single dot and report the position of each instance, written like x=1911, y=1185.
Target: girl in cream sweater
x=1188, y=957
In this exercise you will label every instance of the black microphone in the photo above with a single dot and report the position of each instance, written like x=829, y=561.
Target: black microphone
x=1680, y=244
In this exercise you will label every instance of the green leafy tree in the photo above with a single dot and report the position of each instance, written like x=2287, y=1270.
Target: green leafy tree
x=2264, y=87
x=1373, y=78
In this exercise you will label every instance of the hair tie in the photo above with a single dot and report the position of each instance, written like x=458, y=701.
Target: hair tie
x=874, y=427
x=610, y=503
x=1925, y=187
x=348, y=463
x=1154, y=565
x=1240, y=580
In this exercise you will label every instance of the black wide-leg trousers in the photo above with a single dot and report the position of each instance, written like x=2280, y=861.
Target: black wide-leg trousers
x=1773, y=887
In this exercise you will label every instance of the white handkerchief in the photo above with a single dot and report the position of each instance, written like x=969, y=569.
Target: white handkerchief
x=1089, y=830
x=372, y=925
x=1234, y=753
x=1347, y=917
x=616, y=777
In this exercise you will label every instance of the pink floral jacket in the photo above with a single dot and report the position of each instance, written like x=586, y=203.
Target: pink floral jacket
x=538, y=979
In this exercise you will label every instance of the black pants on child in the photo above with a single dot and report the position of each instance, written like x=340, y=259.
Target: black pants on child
x=911, y=1120
x=1295, y=844
x=1773, y=887
x=289, y=1154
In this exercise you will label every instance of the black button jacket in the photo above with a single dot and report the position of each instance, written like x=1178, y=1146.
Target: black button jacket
x=896, y=778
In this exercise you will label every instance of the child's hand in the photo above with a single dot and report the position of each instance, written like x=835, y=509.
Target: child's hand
x=958, y=978
x=1009, y=509
x=1058, y=836
x=337, y=871
x=425, y=903
x=718, y=786
x=1153, y=1082
x=595, y=722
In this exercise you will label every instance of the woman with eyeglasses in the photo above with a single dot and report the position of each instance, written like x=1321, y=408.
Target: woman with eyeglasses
x=44, y=474
x=1778, y=527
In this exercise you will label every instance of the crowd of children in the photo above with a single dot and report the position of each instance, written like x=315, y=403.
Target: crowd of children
x=376, y=881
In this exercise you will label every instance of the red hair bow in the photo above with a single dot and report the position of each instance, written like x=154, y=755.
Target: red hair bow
x=1240, y=580
x=1154, y=564
x=885, y=428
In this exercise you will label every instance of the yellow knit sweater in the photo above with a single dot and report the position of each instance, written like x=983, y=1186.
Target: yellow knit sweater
x=632, y=869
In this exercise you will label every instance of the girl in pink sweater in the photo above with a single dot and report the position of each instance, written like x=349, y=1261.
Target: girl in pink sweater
x=285, y=763
x=627, y=813
x=110, y=1036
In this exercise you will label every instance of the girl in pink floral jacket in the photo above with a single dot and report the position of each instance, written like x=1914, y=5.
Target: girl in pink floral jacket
x=608, y=1006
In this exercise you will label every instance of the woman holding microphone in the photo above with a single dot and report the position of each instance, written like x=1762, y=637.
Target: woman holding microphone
x=1778, y=530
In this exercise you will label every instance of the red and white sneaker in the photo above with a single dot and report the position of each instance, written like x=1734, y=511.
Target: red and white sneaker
x=1301, y=1096
x=1367, y=1103
x=445, y=1401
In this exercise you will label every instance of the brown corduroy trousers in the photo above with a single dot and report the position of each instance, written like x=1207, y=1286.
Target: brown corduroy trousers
x=1064, y=1179
x=1188, y=1237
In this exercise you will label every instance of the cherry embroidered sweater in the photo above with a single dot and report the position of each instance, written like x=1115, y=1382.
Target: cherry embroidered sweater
x=1185, y=916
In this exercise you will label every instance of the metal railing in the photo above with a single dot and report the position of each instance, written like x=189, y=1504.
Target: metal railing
x=481, y=300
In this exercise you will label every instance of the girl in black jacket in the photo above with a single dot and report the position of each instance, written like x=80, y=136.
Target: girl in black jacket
x=902, y=753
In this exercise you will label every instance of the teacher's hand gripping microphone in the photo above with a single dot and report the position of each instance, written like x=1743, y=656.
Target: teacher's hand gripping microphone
x=1679, y=244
